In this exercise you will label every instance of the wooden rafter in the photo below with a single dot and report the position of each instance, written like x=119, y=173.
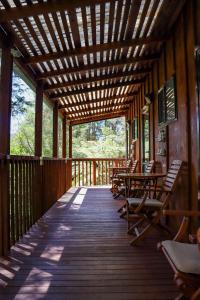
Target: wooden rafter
x=97, y=108
x=96, y=101
x=43, y=8
x=85, y=68
x=94, y=89
x=96, y=117
x=98, y=78
x=92, y=49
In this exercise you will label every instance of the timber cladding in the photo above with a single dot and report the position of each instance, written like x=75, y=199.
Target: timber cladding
x=177, y=58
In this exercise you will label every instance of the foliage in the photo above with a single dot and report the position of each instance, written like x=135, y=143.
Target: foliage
x=100, y=139
x=47, y=130
x=20, y=103
x=96, y=139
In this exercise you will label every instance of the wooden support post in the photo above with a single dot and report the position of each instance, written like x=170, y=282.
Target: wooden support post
x=38, y=119
x=55, y=130
x=70, y=141
x=5, y=116
x=94, y=172
x=64, y=137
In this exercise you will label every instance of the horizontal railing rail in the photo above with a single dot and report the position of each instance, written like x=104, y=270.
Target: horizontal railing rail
x=93, y=171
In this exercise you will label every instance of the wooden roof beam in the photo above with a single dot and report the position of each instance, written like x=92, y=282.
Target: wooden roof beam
x=97, y=78
x=94, y=118
x=94, y=89
x=111, y=106
x=96, y=101
x=43, y=8
x=94, y=48
x=85, y=68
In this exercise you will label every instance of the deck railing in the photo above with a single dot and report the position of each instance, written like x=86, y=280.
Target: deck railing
x=28, y=187
x=93, y=171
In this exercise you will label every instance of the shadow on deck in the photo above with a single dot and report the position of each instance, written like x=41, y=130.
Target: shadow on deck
x=80, y=250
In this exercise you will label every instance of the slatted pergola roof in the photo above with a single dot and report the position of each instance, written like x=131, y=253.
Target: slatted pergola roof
x=90, y=56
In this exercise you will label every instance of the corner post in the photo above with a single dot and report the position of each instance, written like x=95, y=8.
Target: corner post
x=64, y=144
x=38, y=119
x=55, y=130
x=5, y=120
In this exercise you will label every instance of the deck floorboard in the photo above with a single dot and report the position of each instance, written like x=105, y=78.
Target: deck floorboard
x=80, y=250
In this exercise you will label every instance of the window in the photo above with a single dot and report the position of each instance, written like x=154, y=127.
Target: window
x=135, y=129
x=145, y=138
x=167, y=108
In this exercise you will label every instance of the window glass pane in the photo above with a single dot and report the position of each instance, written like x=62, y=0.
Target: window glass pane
x=59, y=136
x=47, y=133
x=161, y=106
x=22, y=115
x=146, y=138
x=170, y=99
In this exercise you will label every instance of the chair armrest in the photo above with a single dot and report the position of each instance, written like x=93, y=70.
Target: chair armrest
x=186, y=214
x=181, y=213
x=196, y=295
x=157, y=189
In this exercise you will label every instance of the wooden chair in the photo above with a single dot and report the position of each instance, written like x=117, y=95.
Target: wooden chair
x=142, y=185
x=120, y=184
x=184, y=258
x=196, y=295
x=146, y=212
x=116, y=171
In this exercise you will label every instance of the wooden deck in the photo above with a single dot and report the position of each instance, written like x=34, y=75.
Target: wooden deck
x=80, y=250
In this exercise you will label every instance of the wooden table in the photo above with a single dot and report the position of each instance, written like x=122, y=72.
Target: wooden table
x=198, y=238
x=129, y=177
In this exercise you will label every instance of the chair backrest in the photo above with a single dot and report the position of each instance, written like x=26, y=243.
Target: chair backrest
x=150, y=166
x=134, y=166
x=172, y=175
x=128, y=163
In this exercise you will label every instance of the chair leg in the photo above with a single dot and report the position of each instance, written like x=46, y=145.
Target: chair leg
x=180, y=297
x=121, y=208
x=139, y=222
x=141, y=235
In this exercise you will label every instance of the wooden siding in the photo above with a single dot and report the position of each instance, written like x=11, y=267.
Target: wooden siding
x=177, y=58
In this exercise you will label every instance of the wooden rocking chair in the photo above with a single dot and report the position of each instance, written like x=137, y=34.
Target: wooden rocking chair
x=142, y=185
x=120, y=184
x=184, y=258
x=146, y=212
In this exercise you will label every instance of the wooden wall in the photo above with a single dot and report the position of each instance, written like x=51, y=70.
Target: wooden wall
x=177, y=57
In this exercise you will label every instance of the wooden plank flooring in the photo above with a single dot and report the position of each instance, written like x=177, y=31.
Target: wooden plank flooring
x=80, y=250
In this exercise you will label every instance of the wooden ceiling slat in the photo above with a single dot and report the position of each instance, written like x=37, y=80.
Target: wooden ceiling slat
x=110, y=116
x=94, y=48
x=97, y=117
x=25, y=37
x=118, y=19
x=96, y=79
x=124, y=23
x=86, y=49
x=95, y=88
x=80, y=110
x=87, y=90
x=83, y=69
x=99, y=100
